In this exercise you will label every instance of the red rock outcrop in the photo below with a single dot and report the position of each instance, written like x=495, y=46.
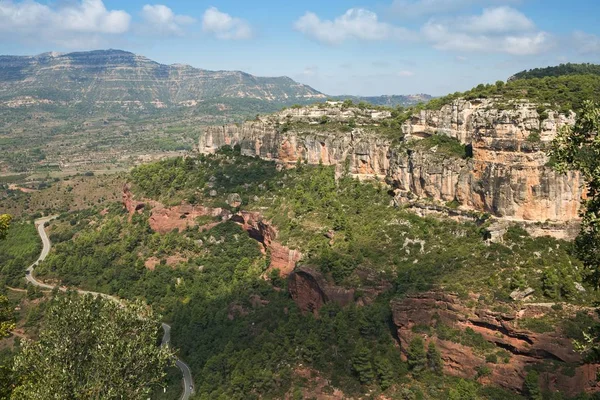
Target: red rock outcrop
x=166, y=219
x=310, y=290
x=434, y=309
x=282, y=258
x=131, y=205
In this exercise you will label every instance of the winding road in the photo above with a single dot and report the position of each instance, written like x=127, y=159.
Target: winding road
x=188, y=382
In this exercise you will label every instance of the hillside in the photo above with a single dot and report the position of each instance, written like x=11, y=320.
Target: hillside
x=564, y=87
x=105, y=78
x=560, y=70
x=389, y=100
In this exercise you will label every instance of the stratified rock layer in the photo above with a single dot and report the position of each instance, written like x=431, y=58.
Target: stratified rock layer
x=166, y=219
x=524, y=348
x=507, y=176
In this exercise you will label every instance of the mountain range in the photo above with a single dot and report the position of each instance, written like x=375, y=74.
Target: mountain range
x=105, y=78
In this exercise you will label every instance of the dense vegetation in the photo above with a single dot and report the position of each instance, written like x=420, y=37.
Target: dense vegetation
x=560, y=70
x=577, y=148
x=17, y=252
x=252, y=338
x=565, y=92
x=92, y=348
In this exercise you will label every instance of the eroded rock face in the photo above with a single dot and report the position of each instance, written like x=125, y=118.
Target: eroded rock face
x=282, y=258
x=507, y=176
x=310, y=290
x=435, y=309
x=362, y=152
x=166, y=219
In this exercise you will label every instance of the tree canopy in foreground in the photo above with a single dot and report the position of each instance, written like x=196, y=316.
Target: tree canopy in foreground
x=93, y=348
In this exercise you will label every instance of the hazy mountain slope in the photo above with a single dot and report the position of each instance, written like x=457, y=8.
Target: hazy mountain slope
x=390, y=100
x=115, y=76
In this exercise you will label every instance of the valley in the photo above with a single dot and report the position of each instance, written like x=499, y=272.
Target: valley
x=300, y=246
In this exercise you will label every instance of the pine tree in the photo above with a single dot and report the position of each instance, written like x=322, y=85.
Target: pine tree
x=361, y=363
x=417, y=358
x=385, y=372
x=434, y=359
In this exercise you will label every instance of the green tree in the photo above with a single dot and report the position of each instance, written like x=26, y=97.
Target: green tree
x=93, y=348
x=416, y=356
x=578, y=148
x=385, y=371
x=4, y=225
x=361, y=363
x=531, y=386
x=434, y=359
x=464, y=390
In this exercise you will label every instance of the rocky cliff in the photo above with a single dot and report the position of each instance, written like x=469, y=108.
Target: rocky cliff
x=166, y=219
x=467, y=335
x=507, y=175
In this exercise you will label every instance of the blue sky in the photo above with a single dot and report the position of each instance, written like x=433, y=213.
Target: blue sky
x=336, y=46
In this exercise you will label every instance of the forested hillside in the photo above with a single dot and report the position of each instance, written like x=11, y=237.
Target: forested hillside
x=565, y=87
x=213, y=280
x=560, y=70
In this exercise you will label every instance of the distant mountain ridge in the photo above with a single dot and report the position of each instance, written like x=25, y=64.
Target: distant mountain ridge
x=105, y=77
x=390, y=100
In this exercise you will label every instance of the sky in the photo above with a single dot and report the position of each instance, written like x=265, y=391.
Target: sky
x=336, y=46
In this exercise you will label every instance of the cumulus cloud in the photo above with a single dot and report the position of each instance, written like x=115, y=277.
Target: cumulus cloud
x=500, y=29
x=356, y=23
x=586, y=43
x=224, y=26
x=162, y=20
x=405, y=73
x=497, y=20
x=70, y=25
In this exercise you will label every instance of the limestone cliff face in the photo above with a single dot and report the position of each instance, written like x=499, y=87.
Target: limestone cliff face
x=507, y=175
x=366, y=155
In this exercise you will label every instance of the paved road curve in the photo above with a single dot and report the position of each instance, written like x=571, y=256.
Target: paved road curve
x=188, y=382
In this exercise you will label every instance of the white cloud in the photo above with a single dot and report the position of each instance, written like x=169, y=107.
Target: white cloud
x=161, y=19
x=418, y=8
x=70, y=24
x=586, y=43
x=496, y=30
x=224, y=26
x=405, y=73
x=356, y=23
x=497, y=20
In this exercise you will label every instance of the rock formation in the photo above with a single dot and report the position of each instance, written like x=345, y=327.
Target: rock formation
x=310, y=290
x=523, y=348
x=166, y=219
x=507, y=175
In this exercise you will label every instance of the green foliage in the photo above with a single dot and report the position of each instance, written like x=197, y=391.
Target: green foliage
x=416, y=355
x=361, y=363
x=445, y=145
x=531, y=386
x=566, y=92
x=560, y=70
x=464, y=390
x=20, y=248
x=434, y=359
x=4, y=225
x=7, y=318
x=92, y=348
x=578, y=148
